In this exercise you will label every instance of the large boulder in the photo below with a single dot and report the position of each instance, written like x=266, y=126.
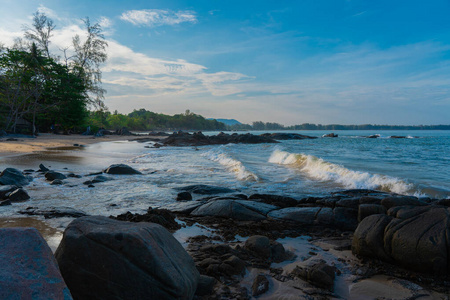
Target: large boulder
x=18, y=195
x=415, y=237
x=101, y=258
x=5, y=190
x=121, y=169
x=29, y=270
x=242, y=210
x=202, y=189
x=11, y=176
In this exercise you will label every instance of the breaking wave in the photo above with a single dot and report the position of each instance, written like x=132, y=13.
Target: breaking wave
x=320, y=169
x=232, y=165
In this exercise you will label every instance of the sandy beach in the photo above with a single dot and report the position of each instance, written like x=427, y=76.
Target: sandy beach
x=48, y=140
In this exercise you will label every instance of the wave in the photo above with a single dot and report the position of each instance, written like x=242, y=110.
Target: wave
x=320, y=169
x=232, y=165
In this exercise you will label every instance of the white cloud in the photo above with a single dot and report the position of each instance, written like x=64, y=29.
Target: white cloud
x=48, y=12
x=158, y=17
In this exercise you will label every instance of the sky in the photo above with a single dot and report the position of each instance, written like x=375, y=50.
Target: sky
x=291, y=62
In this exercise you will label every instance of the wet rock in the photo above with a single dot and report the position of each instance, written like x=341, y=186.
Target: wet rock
x=43, y=168
x=259, y=246
x=121, y=169
x=53, y=212
x=18, y=195
x=370, y=200
x=97, y=179
x=6, y=190
x=333, y=135
x=260, y=285
x=5, y=202
x=348, y=202
x=280, y=201
x=11, y=176
x=389, y=202
x=303, y=215
x=317, y=272
x=183, y=207
x=202, y=189
x=366, y=210
x=52, y=175
x=162, y=217
x=243, y=210
x=345, y=218
x=233, y=266
x=29, y=270
x=56, y=182
x=184, y=196
x=101, y=258
x=205, y=285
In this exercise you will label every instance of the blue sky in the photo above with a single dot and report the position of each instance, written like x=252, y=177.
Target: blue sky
x=292, y=62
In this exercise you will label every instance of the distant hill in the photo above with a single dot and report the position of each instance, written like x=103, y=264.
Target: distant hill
x=227, y=121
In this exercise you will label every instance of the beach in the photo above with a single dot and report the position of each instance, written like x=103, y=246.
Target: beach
x=239, y=174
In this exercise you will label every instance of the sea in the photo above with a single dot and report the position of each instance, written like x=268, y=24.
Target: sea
x=418, y=165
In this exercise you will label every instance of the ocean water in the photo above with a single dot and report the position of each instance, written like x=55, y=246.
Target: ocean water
x=417, y=165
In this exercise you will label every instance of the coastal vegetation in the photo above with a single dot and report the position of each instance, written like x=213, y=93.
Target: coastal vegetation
x=39, y=89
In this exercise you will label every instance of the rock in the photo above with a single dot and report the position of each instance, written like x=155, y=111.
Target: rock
x=43, y=168
x=287, y=136
x=389, y=202
x=330, y=135
x=366, y=210
x=242, y=210
x=18, y=195
x=368, y=239
x=56, y=182
x=278, y=253
x=11, y=176
x=348, y=202
x=417, y=238
x=121, y=169
x=162, y=217
x=370, y=200
x=259, y=246
x=6, y=190
x=183, y=207
x=303, y=215
x=29, y=270
x=345, y=218
x=52, y=175
x=53, y=212
x=280, y=201
x=202, y=189
x=205, y=285
x=101, y=258
x=5, y=202
x=97, y=179
x=184, y=196
x=317, y=272
x=260, y=285
x=233, y=266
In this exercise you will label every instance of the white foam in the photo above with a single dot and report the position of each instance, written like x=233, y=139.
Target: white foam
x=320, y=169
x=232, y=165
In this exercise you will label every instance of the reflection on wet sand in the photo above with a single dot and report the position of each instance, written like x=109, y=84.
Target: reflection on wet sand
x=50, y=234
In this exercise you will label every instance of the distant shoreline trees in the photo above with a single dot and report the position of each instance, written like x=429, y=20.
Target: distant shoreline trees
x=39, y=89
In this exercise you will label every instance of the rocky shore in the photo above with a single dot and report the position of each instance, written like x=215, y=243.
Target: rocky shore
x=352, y=244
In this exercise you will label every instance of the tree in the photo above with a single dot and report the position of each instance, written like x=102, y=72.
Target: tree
x=41, y=31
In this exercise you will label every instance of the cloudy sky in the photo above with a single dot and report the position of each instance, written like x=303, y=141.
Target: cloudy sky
x=292, y=62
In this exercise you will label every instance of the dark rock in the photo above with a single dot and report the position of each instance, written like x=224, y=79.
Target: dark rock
x=345, y=218
x=97, y=179
x=184, y=196
x=417, y=238
x=18, y=195
x=29, y=270
x=183, y=207
x=366, y=210
x=162, y=217
x=5, y=202
x=43, y=168
x=233, y=266
x=319, y=273
x=330, y=135
x=389, y=202
x=121, y=169
x=348, y=202
x=56, y=182
x=52, y=175
x=101, y=258
x=444, y=202
x=280, y=201
x=205, y=285
x=72, y=175
x=368, y=237
x=260, y=285
x=243, y=210
x=398, y=137
x=6, y=190
x=53, y=212
x=259, y=246
x=303, y=215
x=202, y=189
x=11, y=176
x=288, y=136
x=370, y=200
x=278, y=253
